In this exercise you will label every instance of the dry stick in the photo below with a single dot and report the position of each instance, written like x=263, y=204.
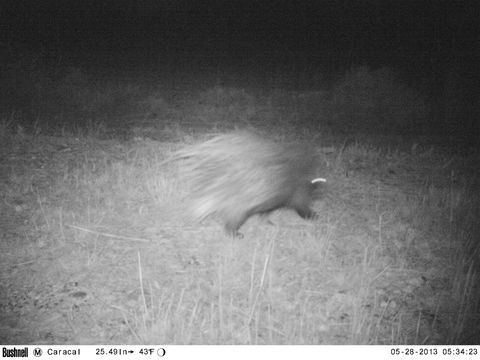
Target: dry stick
x=142, y=292
x=140, y=278
x=262, y=281
x=107, y=234
x=220, y=300
x=61, y=225
x=43, y=211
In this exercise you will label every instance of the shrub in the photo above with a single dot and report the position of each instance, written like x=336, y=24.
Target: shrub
x=365, y=99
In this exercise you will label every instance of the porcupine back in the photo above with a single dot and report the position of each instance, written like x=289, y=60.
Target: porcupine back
x=239, y=174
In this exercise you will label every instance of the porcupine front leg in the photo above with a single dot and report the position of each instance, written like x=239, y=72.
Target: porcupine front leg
x=300, y=202
x=306, y=213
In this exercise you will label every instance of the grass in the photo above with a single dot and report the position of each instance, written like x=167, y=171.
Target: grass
x=97, y=249
x=97, y=246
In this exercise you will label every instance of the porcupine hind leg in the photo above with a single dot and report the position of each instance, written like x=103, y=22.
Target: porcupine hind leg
x=234, y=222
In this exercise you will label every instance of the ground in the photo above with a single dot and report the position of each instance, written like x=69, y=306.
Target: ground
x=96, y=247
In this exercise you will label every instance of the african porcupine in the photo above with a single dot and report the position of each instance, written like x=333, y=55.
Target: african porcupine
x=239, y=174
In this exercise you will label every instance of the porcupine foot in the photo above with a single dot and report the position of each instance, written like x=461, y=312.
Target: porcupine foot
x=233, y=224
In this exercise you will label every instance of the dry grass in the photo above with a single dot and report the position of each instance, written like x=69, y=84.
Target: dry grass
x=96, y=249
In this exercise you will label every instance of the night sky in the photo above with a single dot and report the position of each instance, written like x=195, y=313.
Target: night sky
x=433, y=46
x=328, y=35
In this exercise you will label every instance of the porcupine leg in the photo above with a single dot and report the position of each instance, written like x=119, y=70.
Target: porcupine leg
x=233, y=223
x=232, y=231
x=300, y=203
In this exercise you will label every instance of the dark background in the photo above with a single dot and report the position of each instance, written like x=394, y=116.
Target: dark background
x=432, y=45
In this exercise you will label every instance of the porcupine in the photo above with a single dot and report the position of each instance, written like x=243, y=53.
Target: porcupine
x=240, y=174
